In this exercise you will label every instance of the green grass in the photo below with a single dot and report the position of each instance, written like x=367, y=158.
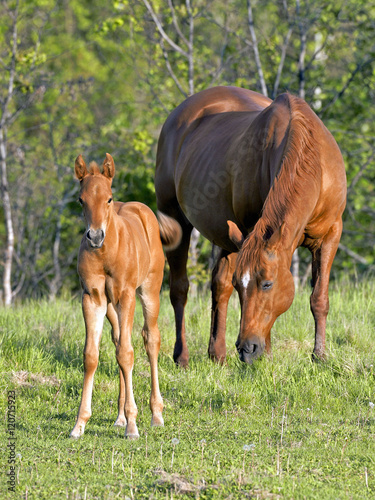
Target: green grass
x=308, y=429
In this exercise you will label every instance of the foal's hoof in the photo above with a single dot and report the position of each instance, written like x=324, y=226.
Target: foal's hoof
x=120, y=422
x=157, y=421
x=132, y=436
x=131, y=431
x=77, y=432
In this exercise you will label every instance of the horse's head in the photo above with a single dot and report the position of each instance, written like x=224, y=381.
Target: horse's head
x=265, y=287
x=95, y=197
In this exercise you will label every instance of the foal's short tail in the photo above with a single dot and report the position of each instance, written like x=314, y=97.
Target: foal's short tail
x=170, y=231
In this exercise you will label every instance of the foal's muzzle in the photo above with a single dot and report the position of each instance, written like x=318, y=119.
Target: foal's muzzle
x=250, y=349
x=95, y=237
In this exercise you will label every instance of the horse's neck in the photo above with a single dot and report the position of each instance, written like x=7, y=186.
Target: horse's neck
x=293, y=225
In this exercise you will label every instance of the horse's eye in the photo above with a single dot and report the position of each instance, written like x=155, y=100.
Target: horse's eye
x=109, y=201
x=266, y=285
x=80, y=201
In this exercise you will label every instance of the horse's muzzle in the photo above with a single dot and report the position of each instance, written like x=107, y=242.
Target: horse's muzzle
x=250, y=349
x=95, y=237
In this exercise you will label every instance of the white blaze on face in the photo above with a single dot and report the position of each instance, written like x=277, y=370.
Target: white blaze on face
x=245, y=279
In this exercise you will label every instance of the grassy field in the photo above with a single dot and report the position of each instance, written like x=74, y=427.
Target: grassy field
x=282, y=428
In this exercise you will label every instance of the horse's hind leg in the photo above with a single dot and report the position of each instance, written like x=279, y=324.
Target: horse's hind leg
x=113, y=319
x=94, y=314
x=179, y=286
x=149, y=296
x=221, y=289
x=322, y=259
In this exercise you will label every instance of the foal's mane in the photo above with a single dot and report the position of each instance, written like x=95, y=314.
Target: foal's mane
x=299, y=173
x=94, y=168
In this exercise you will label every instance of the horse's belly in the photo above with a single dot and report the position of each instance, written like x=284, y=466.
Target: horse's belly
x=206, y=207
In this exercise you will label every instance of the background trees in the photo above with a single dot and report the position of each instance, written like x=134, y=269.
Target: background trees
x=89, y=77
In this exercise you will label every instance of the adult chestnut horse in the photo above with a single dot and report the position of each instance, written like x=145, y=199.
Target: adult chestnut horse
x=257, y=178
x=120, y=255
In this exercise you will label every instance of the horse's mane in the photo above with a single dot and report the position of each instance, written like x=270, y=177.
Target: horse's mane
x=299, y=171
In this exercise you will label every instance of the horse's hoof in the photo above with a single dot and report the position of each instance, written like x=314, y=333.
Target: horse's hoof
x=218, y=359
x=182, y=362
x=317, y=357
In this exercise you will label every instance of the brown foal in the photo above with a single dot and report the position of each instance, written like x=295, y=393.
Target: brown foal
x=121, y=255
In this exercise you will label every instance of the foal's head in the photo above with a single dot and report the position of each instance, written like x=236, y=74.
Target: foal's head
x=95, y=197
x=265, y=287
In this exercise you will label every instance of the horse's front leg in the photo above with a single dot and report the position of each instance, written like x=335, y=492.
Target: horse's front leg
x=221, y=289
x=322, y=259
x=125, y=359
x=94, y=311
x=113, y=319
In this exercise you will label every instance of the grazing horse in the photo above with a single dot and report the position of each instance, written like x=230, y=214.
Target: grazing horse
x=121, y=255
x=258, y=178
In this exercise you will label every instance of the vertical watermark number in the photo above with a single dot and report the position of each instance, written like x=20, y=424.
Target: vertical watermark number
x=11, y=446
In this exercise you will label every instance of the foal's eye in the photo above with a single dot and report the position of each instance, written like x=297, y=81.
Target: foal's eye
x=109, y=201
x=266, y=285
x=80, y=201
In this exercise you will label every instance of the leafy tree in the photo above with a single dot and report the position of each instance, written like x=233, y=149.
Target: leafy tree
x=89, y=77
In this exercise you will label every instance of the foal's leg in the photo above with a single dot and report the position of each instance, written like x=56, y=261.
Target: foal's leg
x=179, y=286
x=221, y=289
x=322, y=259
x=94, y=317
x=113, y=319
x=125, y=359
x=149, y=296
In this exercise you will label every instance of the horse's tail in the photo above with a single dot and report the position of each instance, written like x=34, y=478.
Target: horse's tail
x=170, y=231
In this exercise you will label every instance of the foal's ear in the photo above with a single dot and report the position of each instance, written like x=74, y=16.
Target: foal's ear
x=80, y=168
x=108, y=166
x=235, y=234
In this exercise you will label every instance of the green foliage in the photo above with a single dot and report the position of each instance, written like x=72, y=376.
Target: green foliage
x=284, y=427
x=93, y=78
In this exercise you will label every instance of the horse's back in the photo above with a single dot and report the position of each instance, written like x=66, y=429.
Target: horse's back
x=221, y=150
x=213, y=101
x=184, y=119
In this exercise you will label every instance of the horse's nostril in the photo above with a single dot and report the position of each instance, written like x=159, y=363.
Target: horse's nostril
x=88, y=236
x=249, y=348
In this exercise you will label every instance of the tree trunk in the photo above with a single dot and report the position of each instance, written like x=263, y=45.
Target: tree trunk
x=9, y=249
x=55, y=284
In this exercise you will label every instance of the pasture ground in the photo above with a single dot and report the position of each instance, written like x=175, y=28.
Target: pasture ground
x=282, y=428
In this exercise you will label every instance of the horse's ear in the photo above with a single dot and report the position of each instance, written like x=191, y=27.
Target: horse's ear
x=80, y=168
x=108, y=166
x=274, y=237
x=235, y=234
